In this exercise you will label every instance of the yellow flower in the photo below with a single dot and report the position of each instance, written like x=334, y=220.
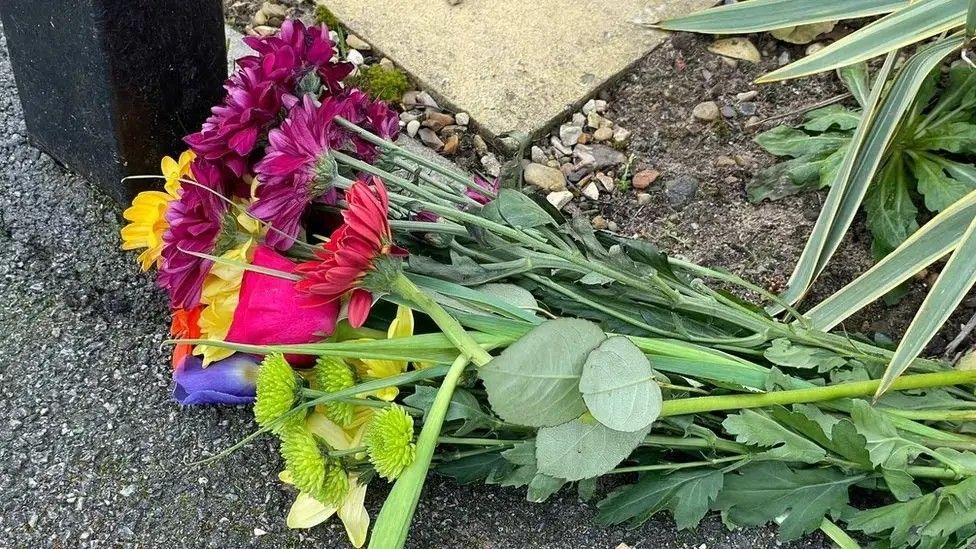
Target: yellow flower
x=221, y=290
x=174, y=170
x=307, y=511
x=370, y=368
x=147, y=215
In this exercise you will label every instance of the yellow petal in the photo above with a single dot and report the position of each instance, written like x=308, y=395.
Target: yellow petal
x=353, y=513
x=334, y=435
x=307, y=512
x=285, y=476
x=168, y=166
x=402, y=325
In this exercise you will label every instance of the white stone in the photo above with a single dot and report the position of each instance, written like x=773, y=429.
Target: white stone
x=569, y=134
x=491, y=164
x=591, y=191
x=413, y=127
x=462, y=118
x=589, y=107
x=620, y=135
x=559, y=199
x=355, y=57
x=357, y=43
x=538, y=155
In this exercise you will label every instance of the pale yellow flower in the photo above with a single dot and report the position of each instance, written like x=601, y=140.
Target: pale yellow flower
x=307, y=511
x=370, y=368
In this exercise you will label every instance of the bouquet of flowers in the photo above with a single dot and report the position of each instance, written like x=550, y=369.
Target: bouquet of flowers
x=355, y=292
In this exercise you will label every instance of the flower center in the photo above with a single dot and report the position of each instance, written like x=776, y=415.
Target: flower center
x=326, y=172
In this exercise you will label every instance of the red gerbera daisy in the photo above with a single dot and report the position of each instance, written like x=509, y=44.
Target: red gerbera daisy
x=350, y=254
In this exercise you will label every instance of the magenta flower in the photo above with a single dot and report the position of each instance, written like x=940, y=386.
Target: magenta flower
x=271, y=311
x=492, y=186
x=228, y=381
x=232, y=131
x=294, y=52
x=195, y=220
x=296, y=170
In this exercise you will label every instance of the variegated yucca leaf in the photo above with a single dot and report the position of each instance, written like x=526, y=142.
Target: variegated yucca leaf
x=765, y=15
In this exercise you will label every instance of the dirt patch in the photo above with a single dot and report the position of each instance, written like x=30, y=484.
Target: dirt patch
x=720, y=227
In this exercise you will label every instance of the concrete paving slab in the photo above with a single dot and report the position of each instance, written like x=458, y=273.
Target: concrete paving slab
x=511, y=64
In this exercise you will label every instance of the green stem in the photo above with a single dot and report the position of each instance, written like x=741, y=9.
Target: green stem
x=934, y=415
x=393, y=522
x=838, y=536
x=461, y=441
x=347, y=452
x=456, y=334
x=677, y=466
x=815, y=394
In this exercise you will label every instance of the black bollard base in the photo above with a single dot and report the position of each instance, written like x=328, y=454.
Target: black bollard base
x=110, y=86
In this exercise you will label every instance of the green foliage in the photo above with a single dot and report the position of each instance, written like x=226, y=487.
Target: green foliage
x=763, y=492
x=921, y=161
x=687, y=494
x=535, y=381
x=583, y=448
x=386, y=83
x=324, y=15
x=464, y=409
x=783, y=352
x=618, y=386
x=757, y=429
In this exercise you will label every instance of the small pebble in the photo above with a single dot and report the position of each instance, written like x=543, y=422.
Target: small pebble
x=412, y=127
x=644, y=178
x=591, y=191
x=728, y=112
x=706, y=110
x=559, y=199
x=462, y=118
x=643, y=199
x=747, y=96
x=603, y=134
x=599, y=223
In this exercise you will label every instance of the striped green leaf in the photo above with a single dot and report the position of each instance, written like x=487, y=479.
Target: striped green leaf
x=764, y=15
x=957, y=278
x=933, y=241
x=907, y=26
x=861, y=163
x=807, y=268
x=971, y=21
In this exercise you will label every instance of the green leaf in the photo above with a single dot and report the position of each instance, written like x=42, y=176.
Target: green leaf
x=787, y=141
x=783, y=352
x=954, y=137
x=476, y=468
x=939, y=190
x=762, y=492
x=891, y=212
x=542, y=487
x=522, y=458
x=686, y=493
x=788, y=178
x=463, y=270
x=618, y=386
x=765, y=15
x=910, y=25
x=956, y=280
x=464, y=407
x=832, y=116
x=864, y=156
x=583, y=448
x=517, y=210
x=857, y=80
x=901, y=484
x=887, y=448
x=516, y=296
x=927, y=521
x=535, y=381
x=933, y=241
x=757, y=429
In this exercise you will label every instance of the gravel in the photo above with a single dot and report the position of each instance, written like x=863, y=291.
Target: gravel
x=94, y=451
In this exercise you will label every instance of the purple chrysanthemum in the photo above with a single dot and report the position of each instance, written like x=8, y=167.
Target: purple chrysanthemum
x=231, y=132
x=297, y=169
x=294, y=52
x=195, y=220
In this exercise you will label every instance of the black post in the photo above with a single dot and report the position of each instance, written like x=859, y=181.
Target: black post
x=110, y=86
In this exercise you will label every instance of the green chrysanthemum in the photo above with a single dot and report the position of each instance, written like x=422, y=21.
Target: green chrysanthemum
x=277, y=389
x=389, y=442
x=312, y=471
x=332, y=375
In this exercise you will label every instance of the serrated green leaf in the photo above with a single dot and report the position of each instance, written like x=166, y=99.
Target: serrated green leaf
x=783, y=352
x=581, y=448
x=787, y=178
x=832, y=116
x=763, y=492
x=891, y=211
x=757, y=429
x=887, y=448
x=464, y=407
x=901, y=484
x=955, y=137
x=787, y=141
x=535, y=381
x=940, y=191
x=687, y=494
x=618, y=386
x=586, y=489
